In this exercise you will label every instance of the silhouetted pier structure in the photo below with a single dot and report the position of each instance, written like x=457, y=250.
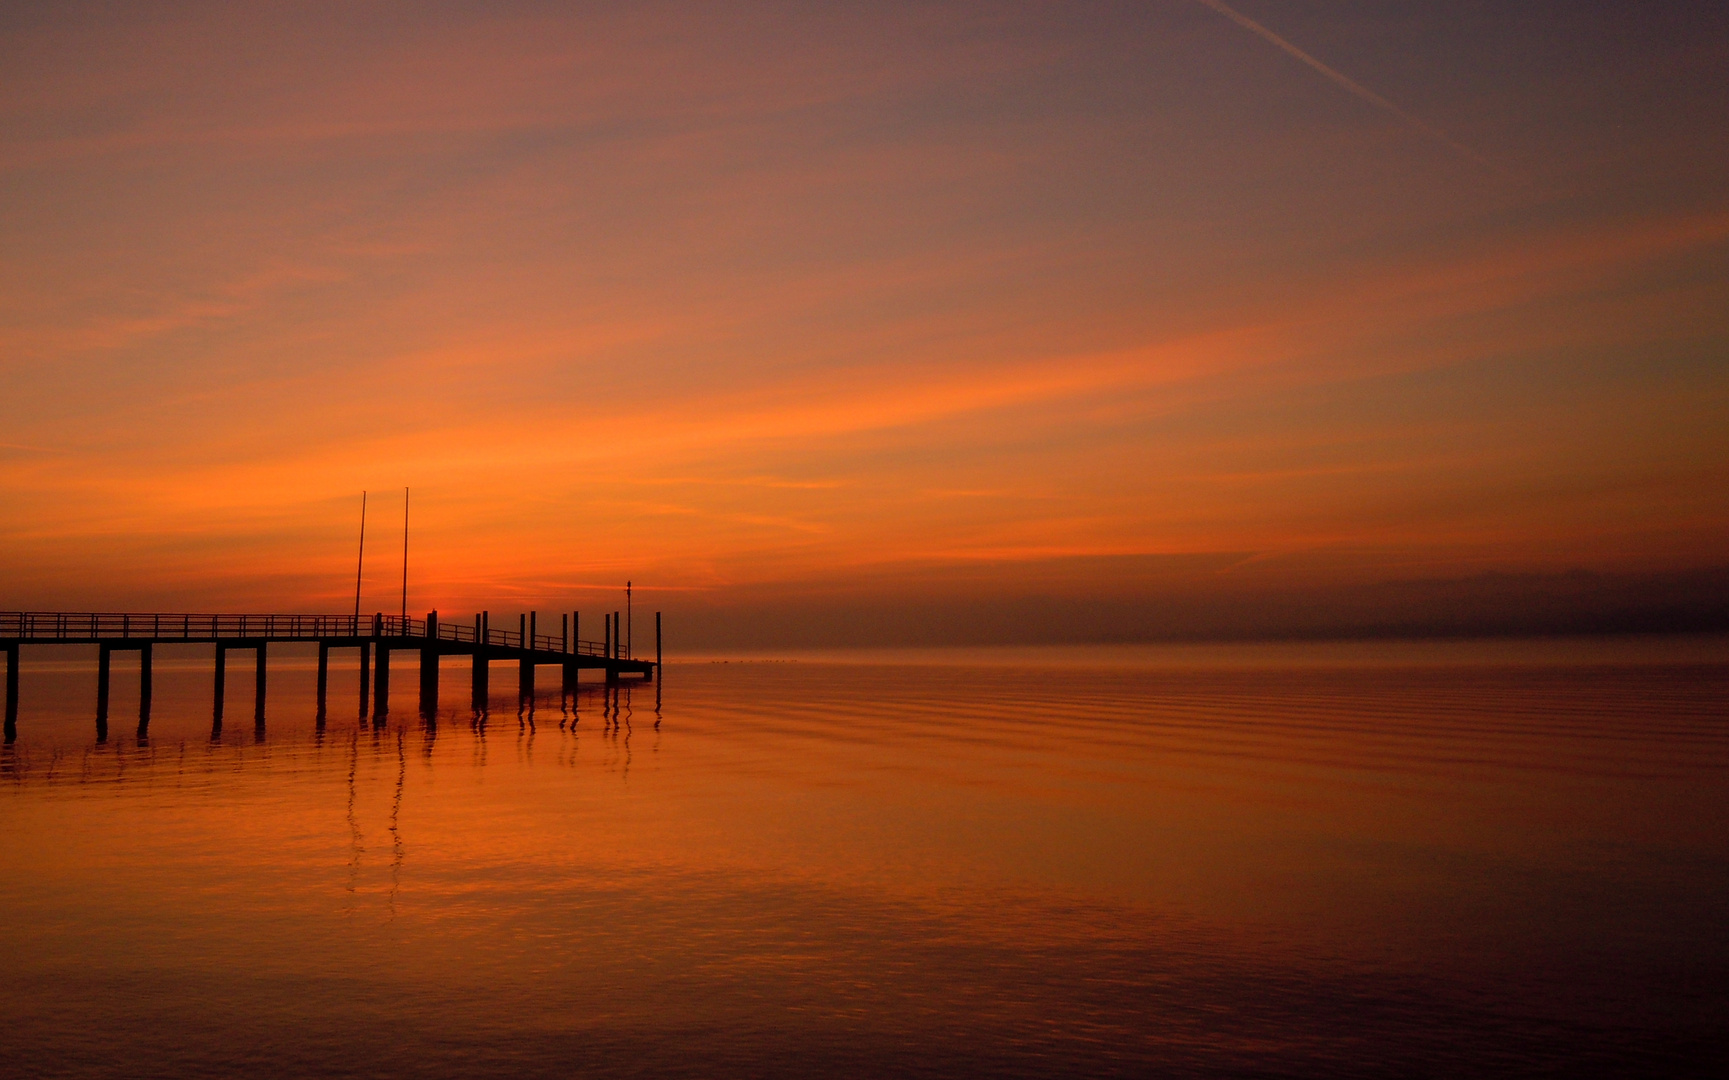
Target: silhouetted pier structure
x=375, y=636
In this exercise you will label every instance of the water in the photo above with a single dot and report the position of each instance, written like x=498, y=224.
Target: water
x=1413, y=861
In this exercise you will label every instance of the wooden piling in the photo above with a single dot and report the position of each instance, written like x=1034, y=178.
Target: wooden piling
x=11, y=692
x=104, y=657
x=144, y=682
x=323, y=676
x=221, y=680
x=429, y=667
x=381, y=681
x=258, y=685
x=365, y=676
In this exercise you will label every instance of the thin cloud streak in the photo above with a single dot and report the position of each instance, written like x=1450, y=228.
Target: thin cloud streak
x=1351, y=85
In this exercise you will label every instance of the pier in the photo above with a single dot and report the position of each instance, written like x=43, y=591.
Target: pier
x=376, y=637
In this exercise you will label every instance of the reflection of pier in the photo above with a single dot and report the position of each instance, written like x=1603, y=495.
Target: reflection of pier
x=376, y=637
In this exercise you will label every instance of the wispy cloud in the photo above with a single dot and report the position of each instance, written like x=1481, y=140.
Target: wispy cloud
x=1350, y=85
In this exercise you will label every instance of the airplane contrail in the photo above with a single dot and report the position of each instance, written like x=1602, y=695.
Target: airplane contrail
x=1349, y=84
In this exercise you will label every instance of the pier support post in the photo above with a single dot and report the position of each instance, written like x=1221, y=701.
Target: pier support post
x=258, y=687
x=657, y=644
x=104, y=658
x=11, y=691
x=144, y=683
x=480, y=678
x=570, y=670
x=429, y=680
x=221, y=680
x=323, y=676
x=525, y=678
x=381, y=681
x=365, y=676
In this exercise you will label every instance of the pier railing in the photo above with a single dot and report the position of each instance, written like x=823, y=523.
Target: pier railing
x=192, y=626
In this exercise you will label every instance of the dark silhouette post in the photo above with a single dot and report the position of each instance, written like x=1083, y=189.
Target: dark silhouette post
x=481, y=671
x=258, y=686
x=606, y=641
x=657, y=643
x=429, y=666
x=144, y=680
x=221, y=680
x=104, y=656
x=365, y=676
x=381, y=681
x=323, y=675
x=11, y=692
x=525, y=672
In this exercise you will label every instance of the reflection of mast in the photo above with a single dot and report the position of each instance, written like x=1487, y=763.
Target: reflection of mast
x=361, y=562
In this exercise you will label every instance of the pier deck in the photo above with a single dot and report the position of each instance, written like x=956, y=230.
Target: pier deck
x=375, y=636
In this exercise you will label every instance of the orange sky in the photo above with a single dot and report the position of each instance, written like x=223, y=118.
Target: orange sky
x=768, y=306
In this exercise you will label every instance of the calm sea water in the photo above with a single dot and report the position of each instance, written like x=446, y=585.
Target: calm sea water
x=1416, y=861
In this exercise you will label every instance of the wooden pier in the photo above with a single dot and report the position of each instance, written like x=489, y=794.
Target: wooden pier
x=375, y=636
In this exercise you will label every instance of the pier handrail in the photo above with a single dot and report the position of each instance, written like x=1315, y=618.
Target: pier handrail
x=205, y=626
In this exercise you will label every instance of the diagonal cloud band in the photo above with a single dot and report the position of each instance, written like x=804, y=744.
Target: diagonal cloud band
x=1349, y=84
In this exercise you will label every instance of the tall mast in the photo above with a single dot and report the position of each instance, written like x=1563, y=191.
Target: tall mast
x=405, y=559
x=360, y=563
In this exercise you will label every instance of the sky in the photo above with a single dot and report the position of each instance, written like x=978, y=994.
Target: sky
x=878, y=323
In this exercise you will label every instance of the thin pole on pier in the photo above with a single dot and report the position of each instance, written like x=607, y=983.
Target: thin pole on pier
x=657, y=643
x=629, y=626
x=360, y=563
x=405, y=557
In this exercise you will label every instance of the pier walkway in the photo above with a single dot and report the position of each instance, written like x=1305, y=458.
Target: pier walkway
x=375, y=636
